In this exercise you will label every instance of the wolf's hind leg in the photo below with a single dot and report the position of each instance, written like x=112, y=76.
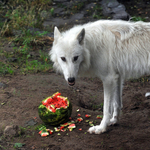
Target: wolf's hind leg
x=117, y=102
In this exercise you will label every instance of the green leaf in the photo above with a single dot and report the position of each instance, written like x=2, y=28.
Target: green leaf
x=18, y=145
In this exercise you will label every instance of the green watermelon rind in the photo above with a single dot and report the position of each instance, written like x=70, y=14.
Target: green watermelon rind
x=60, y=116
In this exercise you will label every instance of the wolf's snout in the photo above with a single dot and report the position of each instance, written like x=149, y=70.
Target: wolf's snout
x=71, y=81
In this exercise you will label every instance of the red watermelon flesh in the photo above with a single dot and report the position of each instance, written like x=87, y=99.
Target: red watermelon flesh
x=55, y=102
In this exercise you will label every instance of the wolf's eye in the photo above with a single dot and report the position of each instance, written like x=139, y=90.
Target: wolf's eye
x=75, y=58
x=63, y=59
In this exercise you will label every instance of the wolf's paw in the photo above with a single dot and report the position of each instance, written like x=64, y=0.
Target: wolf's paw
x=97, y=130
x=113, y=121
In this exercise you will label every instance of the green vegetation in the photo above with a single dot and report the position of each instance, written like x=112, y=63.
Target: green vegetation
x=21, y=60
x=6, y=69
x=18, y=145
x=138, y=18
x=21, y=14
x=77, y=7
x=19, y=21
x=98, y=12
x=17, y=28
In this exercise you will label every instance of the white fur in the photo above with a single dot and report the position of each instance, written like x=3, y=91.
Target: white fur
x=111, y=50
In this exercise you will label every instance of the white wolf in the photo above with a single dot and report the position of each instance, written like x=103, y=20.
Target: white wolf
x=111, y=50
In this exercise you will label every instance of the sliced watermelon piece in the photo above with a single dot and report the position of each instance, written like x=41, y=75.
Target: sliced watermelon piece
x=61, y=128
x=78, y=110
x=56, y=129
x=79, y=115
x=87, y=116
x=99, y=117
x=55, y=109
x=91, y=123
x=79, y=119
x=44, y=133
x=50, y=131
x=71, y=127
x=65, y=124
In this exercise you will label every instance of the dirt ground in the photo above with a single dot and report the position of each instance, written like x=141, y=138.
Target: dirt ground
x=20, y=96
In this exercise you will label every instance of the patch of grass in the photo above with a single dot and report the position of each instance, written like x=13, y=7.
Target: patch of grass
x=6, y=69
x=35, y=66
x=78, y=6
x=137, y=18
x=22, y=130
x=19, y=20
x=30, y=38
x=52, y=11
x=43, y=56
x=2, y=147
x=20, y=60
x=98, y=12
x=97, y=107
x=19, y=145
x=20, y=15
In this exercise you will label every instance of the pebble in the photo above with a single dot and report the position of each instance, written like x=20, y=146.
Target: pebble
x=3, y=85
x=114, y=9
x=12, y=131
x=31, y=122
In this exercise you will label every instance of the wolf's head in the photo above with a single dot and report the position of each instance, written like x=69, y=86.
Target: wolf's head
x=68, y=53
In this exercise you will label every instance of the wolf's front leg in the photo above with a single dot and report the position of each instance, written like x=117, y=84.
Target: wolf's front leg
x=111, y=108
x=108, y=92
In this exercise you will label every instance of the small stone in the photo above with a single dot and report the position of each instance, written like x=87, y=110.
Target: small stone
x=3, y=85
x=12, y=131
x=114, y=9
x=121, y=15
x=59, y=140
x=78, y=90
x=147, y=95
x=31, y=122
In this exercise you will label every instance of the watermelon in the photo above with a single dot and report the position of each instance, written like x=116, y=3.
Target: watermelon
x=71, y=127
x=45, y=132
x=55, y=110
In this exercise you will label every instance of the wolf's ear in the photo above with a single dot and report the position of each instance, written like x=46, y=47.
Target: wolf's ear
x=57, y=34
x=80, y=36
